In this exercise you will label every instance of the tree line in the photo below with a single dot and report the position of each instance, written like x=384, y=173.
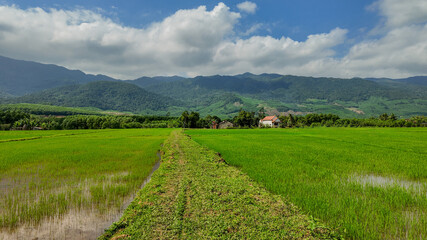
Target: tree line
x=19, y=120
x=247, y=119
x=331, y=120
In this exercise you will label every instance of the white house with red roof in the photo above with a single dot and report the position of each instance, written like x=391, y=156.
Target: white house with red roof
x=271, y=121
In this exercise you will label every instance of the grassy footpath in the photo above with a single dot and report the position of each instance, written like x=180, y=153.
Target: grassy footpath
x=194, y=195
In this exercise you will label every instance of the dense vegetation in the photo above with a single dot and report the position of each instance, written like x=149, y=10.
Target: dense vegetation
x=4, y=95
x=22, y=77
x=7, y=118
x=222, y=96
x=251, y=120
x=346, y=97
x=285, y=88
x=20, y=120
x=48, y=110
x=330, y=120
x=369, y=182
x=104, y=95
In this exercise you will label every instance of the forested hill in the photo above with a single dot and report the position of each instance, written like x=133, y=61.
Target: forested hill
x=416, y=81
x=149, y=81
x=19, y=77
x=104, y=95
x=278, y=94
x=286, y=88
x=4, y=95
x=216, y=95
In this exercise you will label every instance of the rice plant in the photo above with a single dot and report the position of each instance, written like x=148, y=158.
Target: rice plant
x=48, y=173
x=369, y=182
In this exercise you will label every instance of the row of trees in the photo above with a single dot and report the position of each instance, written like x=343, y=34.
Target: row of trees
x=251, y=119
x=193, y=120
x=21, y=120
x=244, y=119
x=331, y=120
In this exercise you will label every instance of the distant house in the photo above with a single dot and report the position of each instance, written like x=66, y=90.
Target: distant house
x=271, y=121
x=225, y=124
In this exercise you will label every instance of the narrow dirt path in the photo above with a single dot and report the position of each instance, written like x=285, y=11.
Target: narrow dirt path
x=196, y=195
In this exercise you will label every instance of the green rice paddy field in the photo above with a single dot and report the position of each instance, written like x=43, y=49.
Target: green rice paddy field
x=47, y=173
x=370, y=183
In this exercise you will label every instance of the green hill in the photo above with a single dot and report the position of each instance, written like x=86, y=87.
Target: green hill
x=284, y=88
x=416, y=81
x=19, y=77
x=217, y=95
x=4, y=95
x=40, y=109
x=224, y=96
x=104, y=95
x=149, y=81
x=292, y=94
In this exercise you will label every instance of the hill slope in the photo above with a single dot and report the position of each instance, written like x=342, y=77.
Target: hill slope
x=149, y=81
x=104, y=95
x=19, y=77
x=292, y=94
x=283, y=88
x=417, y=81
x=216, y=95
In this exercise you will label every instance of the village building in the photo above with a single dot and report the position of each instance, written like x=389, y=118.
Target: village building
x=270, y=121
x=225, y=124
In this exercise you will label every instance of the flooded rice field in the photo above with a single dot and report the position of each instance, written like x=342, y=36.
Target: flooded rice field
x=74, y=224
x=390, y=182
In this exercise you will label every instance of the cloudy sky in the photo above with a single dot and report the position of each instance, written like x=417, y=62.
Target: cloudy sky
x=130, y=39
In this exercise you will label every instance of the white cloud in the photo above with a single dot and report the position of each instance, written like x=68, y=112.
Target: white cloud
x=402, y=12
x=267, y=54
x=203, y=42
x=248, y=7
x=401, y=52
x=86, y=40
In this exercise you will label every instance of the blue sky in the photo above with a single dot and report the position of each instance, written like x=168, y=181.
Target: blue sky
x=293, y=18
x=128, y=39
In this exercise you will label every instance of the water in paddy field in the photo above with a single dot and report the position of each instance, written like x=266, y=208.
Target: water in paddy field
x=384, y=182
x=76, y=224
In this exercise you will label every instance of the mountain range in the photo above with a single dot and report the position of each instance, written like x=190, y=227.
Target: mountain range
x=31, y=82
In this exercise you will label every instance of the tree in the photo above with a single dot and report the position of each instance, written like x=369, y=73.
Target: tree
x=208, y=120
x=383, y=117
x=261, y=113
x=245, y=119
x=190, y=120
x=291, y=121
x=284, y=121
x=184, y=119
x=193, y=118
x=392, y=117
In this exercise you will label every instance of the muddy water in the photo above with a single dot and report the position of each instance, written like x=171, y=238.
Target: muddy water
x=76, y=224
